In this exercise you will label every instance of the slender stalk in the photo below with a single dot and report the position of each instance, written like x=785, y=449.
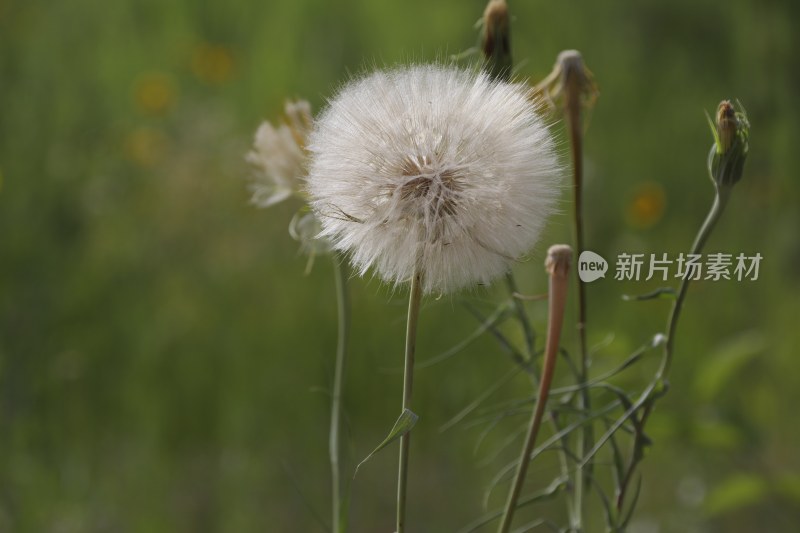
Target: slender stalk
x=343, y=313
x=559, y=281
x=574, y=81
x=414, y=300
x=572, y=96
x=720, y=201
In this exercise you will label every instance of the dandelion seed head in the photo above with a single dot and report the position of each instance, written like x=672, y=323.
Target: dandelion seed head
x=433, y=168
x=278, y=156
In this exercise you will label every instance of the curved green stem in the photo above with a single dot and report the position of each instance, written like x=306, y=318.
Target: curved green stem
x=414, y=300
x=720, y=201
x=343, y=313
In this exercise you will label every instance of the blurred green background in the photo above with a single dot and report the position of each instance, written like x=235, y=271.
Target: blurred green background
x=164, y=362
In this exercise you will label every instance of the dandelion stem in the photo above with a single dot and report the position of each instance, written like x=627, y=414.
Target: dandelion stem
x=343, y=313
x=414, y=299
x=559, y=281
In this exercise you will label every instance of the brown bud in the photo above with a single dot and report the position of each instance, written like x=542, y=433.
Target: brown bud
x=726, y=125
x=496, y=39
x=559, y=260
x=731, y=131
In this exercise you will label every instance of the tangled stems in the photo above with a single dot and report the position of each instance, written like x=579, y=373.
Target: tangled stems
x=343, y=313
x=647, y=399
x=414, y=299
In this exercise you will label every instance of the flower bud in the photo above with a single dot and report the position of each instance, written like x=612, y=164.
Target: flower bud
x=731, y=132
x=726, y=126
x=496, y=39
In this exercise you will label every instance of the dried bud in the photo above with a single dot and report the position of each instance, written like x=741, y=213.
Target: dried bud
x=731, y=144
x=559, y=260
x=573, y=70
x=496, y=39
x=569, y=79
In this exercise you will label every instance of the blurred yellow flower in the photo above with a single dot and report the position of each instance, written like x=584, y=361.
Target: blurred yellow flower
x=647, y=205
x=212, y=64
x=145, y=146
x=155, y=93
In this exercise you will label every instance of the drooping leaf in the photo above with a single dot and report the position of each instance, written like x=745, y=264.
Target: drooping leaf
x=403, y=425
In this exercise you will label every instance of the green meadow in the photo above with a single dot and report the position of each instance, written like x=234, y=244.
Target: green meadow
x=166, y=360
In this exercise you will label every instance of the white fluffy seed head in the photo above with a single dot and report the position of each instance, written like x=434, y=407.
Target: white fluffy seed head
x=278, y=155
x=433, y=168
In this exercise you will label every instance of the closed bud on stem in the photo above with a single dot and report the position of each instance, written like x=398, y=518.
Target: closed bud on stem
x=496, y=39
x=731, y=131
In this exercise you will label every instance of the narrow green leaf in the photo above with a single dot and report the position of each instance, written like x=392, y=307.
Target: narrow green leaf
x=405, y=422
x=304, y=497
x=499, y=315
x=505, y=344
x=720, y=369
x=664, y=293
x=555, y=487
x=632, y=506
x=502, y=382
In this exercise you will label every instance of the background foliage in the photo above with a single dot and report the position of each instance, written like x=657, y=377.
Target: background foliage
x=164, y=362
